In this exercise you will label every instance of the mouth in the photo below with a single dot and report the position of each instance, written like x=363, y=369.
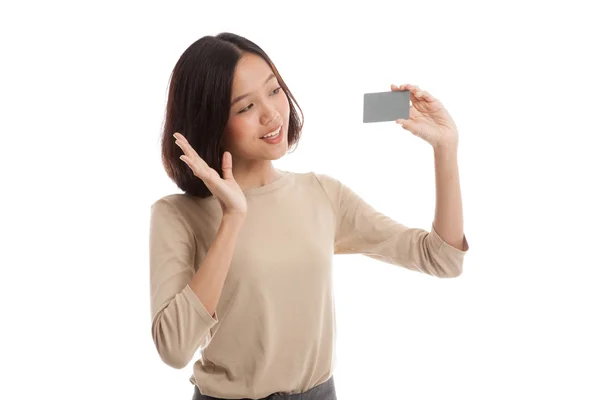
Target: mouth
x=273, y=134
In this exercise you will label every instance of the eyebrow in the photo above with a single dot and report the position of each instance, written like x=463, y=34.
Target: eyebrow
x=247, y=94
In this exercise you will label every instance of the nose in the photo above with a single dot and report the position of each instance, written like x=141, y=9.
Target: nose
x=271, y=116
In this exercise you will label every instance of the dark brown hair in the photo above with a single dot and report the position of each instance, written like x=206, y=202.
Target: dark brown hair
x=199, y=101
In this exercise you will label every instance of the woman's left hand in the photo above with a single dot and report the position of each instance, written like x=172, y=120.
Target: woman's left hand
x=428, y=119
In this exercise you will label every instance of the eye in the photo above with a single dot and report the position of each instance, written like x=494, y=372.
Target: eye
x=247, y=108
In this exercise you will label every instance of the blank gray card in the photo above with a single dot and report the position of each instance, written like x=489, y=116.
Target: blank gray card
x=386, y=106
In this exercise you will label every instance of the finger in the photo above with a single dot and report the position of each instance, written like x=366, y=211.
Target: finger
x=181, y=140
x=189, y=151
x=189, y=163
x=227, y=166
x=198, y=166
x=206, y=173
x=185, y=148
x=405, y=123
x=413, y=92
x=427, y=96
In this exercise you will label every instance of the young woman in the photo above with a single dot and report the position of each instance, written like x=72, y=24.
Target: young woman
x=240, y=263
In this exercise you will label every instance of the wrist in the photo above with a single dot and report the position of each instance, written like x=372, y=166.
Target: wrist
x=234, y=217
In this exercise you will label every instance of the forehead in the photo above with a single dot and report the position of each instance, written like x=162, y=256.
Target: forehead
x=250, y=73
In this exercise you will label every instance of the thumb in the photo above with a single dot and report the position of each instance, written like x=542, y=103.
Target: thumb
x=227, y=166
x=405, y=123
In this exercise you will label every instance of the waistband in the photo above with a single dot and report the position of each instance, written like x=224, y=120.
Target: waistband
x=324, y=391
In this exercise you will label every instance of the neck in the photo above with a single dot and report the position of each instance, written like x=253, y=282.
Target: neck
x=256, y=175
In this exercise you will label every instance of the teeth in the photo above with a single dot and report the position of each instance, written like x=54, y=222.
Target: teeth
x=272, y=134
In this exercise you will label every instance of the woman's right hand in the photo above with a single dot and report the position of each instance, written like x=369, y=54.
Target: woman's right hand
x=226, y=190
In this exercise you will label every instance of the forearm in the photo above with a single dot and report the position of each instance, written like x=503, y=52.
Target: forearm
x=448, y=220
x=208, y=281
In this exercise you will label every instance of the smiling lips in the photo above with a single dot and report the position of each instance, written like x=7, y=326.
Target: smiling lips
x=273, y=133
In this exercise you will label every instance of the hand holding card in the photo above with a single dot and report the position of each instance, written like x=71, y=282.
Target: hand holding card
x=416, y=110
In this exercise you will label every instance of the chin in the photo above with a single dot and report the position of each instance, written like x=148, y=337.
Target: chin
x=281, y=151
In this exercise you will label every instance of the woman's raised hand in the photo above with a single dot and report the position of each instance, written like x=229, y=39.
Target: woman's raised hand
x=226, y=189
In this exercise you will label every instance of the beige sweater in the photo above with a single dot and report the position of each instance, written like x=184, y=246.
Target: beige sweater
x=274, y=327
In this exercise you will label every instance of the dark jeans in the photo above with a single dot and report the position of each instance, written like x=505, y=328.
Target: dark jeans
x=324, y=391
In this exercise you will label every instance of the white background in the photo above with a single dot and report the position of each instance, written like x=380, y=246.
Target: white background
x=83, y=91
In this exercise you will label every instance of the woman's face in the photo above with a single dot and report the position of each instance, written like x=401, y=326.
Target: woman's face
x=262, y=111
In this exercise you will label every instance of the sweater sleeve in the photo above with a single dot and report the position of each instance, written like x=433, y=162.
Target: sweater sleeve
x=360, y=229
x=180, y=322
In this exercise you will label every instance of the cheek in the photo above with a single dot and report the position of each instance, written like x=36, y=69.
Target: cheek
x=284, y=106
x=239, y=130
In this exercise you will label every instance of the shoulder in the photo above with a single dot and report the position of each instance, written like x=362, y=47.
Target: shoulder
x=331, y=185
x=180, y=203
x=316, y=180
x=169, y=201
x=315, y=177
x=311, y=179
